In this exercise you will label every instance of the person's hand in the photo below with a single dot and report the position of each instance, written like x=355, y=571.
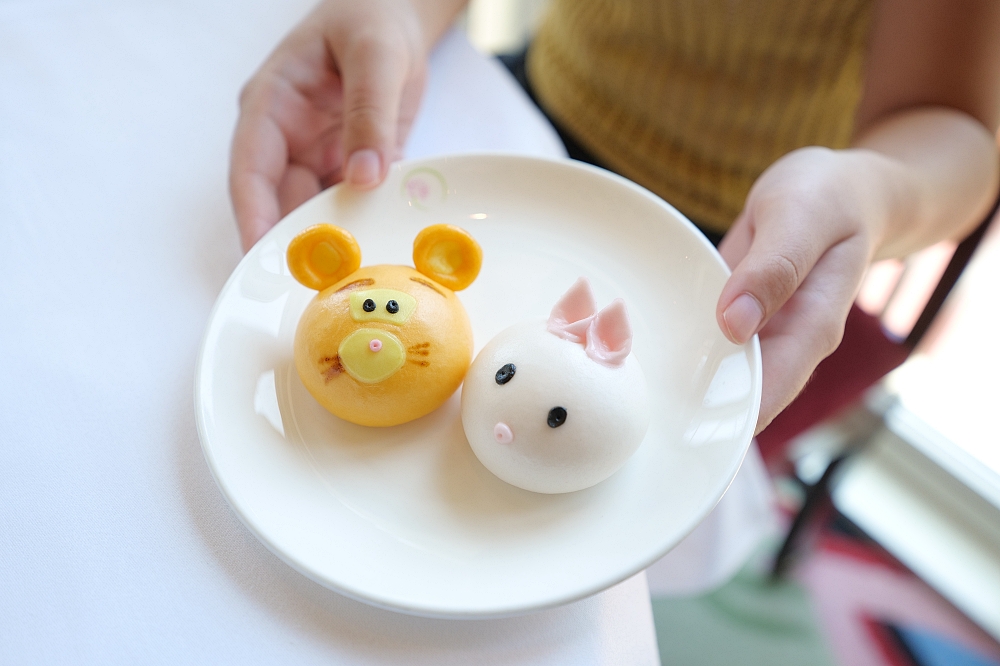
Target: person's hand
x=799, y=250
x=335, y=101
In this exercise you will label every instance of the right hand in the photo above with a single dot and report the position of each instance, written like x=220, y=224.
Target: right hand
x=334, y=101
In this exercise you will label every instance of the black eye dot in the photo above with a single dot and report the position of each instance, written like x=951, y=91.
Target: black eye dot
x=368, y=305
x=392, y=307
x=505, y=374
x=557, y=416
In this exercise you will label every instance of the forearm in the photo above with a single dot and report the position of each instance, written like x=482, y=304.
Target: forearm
x=930, y=174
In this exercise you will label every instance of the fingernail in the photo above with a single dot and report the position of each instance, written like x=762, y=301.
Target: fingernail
x=363, y=168
x=743, y=317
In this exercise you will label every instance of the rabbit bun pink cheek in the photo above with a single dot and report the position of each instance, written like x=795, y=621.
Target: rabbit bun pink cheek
x=559, y=405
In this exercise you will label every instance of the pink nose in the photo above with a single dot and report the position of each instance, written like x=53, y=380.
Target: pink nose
x=503, y=433
x=375, y=345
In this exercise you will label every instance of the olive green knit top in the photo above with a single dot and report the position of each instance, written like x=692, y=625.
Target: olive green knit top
x=693, y=99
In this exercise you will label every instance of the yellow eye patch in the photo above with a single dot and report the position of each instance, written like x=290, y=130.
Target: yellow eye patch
x=386, y=305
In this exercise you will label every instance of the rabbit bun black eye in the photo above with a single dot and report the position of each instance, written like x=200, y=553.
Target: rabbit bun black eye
x=506, y=373
x=557, y=416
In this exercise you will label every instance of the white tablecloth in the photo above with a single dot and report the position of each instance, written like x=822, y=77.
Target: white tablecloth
x=116, y=235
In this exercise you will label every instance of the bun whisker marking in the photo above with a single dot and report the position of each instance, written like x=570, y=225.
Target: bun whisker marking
x=421, y=349
x=336, y=367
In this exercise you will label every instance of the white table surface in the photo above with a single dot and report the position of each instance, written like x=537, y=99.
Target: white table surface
x=116, y=235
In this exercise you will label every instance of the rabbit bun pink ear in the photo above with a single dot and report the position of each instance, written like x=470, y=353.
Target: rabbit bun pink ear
x=570, y=317
x=609, y=337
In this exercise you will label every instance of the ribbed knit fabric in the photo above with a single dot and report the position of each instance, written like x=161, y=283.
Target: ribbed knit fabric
x=693, y=99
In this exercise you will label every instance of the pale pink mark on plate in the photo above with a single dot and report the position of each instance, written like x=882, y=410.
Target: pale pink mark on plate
x=424, y=187
x=375, y=345
x=503, y=433
x=418, y=189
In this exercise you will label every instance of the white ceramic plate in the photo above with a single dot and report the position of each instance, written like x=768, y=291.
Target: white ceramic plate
x=406, y=517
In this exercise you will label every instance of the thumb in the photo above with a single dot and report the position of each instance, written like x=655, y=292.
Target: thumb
x=780, y=256
x=374, y=72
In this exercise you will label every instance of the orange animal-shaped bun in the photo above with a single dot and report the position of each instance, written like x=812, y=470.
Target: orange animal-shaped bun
x=383, y=345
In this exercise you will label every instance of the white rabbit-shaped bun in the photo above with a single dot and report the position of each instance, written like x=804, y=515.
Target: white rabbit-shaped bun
x=559, y=405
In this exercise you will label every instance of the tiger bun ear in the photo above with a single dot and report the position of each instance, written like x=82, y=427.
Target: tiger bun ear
x=448, y=255
x=323, y=255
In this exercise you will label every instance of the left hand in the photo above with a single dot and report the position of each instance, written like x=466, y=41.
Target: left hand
x=799, y=250
x=335, y=101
